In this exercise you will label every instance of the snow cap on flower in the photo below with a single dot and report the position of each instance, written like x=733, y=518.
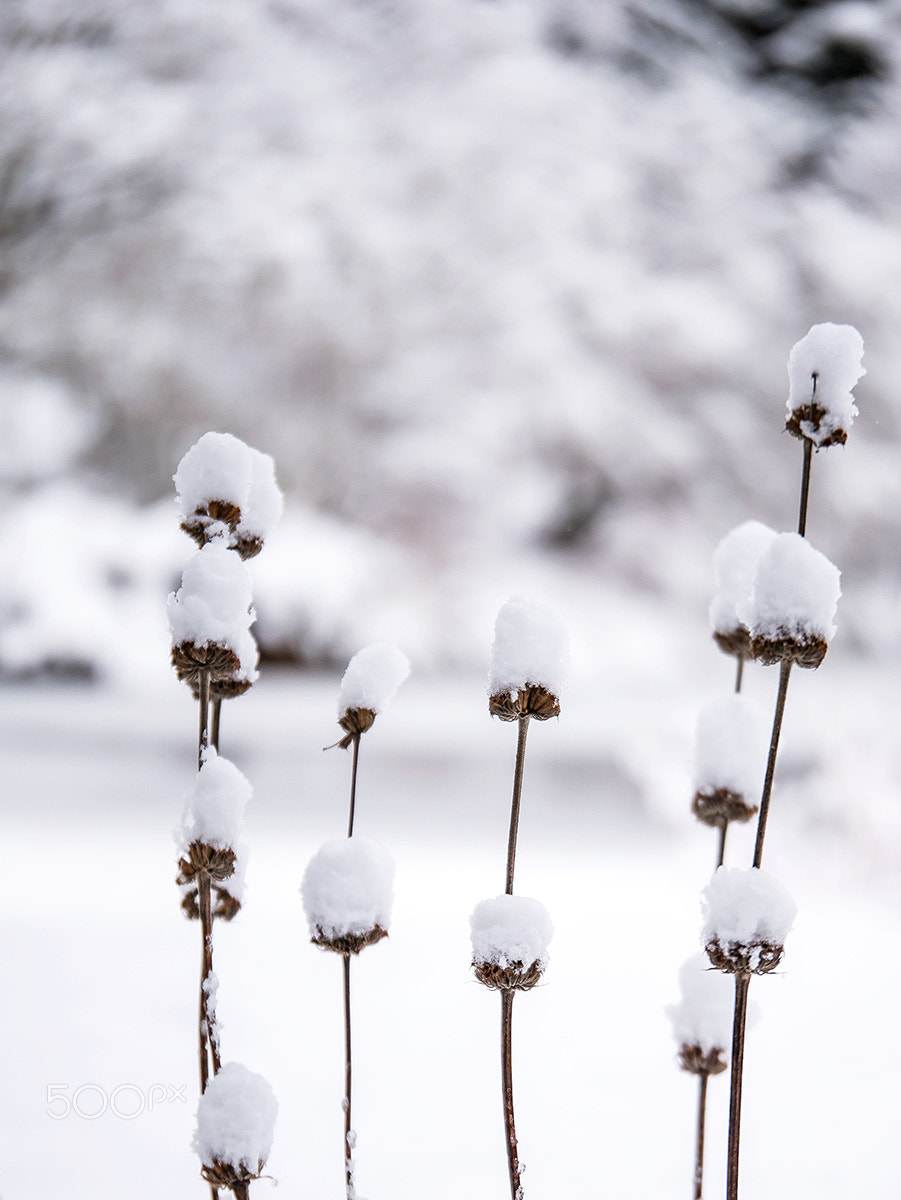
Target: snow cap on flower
x=510, y=938
x=702, y=1019
x=214, y=810
x=822, y=369
x=791, y=609
x=347, y=892
x=372, y=677
x=227, y=489
x=734, y=563
x=529, y=661
x=235, y=1126
x=210, y=615
x=730, y=752
x=747, y=917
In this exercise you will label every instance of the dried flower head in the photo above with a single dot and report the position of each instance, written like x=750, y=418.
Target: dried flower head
x=513, y=977
x=235, y=1124
x=190, y=661
x=806, y=652
x=355, y=722
x=217, y=862
x=744, y=958
x=697, y=1061
x=349, y=943
x=533, y=700
x=747, y=917
x=823, y=367
x=719, y=806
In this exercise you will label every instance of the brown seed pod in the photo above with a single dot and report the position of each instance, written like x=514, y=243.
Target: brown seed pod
x=221, y=512
x=514, y=978
x=812, y=414
x=740, y=958
x=701, y=1062
x=349, y=943
x=355, y=722
x=808, y=652
x=533, y=700
x=218, y=863
x=719, y=806
x=236, y=1179
x=736, y=642
x=225, y=907
x=191, y=660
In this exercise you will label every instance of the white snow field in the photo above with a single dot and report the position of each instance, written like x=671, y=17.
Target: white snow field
x=98, y=1007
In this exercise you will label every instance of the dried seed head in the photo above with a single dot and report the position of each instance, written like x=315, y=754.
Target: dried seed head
x=349, y=943
x=516, y=977
x=355, y=722
x=701, y=1062
x=225, y=906
x=719, y=806
x=224, y=1175
x=804, y=422
x=744, y=958
x=213, y=519
x=805, y=652
x=533, y=700
x=736, y=642
x=191, y=660
x=219, y=864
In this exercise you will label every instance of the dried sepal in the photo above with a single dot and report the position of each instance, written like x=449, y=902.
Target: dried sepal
x=696, y=1061
x=236, y=1179
x=807, y=652
x=225, y=906
x=207, y=521
x=516, y=977
x=744, y=958
x=719, y=806
x=191, y=660
x=533, y=700
x=217, y=862
x=354, y=723
x=811, y=415
x=349, y=943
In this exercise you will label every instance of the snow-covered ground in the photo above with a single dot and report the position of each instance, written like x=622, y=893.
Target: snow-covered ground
x=101, y=969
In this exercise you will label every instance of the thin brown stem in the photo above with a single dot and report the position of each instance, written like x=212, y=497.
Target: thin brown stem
x=699, y=1144
x=348, y=1081
x=517, y=798
x=206, y=969
x=204, y=706
x=353, y=785
x=784, y=673
x=214, y=722
x=742, y=983
x=721, y=852
x=805, y=484
x=513, y=1163
x=739, y=671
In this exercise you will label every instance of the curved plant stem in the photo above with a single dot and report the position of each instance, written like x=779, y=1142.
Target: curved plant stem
x=742, y=983
x=784, y=673
x=699, y=1144
x=513, y=1164
x=348, y=1081
x=353, y=786
x=517, y=797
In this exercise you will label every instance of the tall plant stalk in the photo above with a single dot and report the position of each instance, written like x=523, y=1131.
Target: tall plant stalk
x=348, y=1040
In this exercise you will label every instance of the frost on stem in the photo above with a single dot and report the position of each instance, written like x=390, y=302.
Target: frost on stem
x=372, y=677
x=702, y=1019
x=211, y=821
x=210, y=617
x=734, y=563
x=529, y=661
x=823, y=367
x=730, y=751
x=510, y=939
x=747, y=917
x=227, y=489
x=347, y=892
x=235, y=1125
x=791, y=608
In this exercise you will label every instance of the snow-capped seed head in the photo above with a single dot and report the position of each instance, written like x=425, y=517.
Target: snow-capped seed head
x=235, y=1125
x=702, y=1019
x=347, y=892
x=730, y=752
x=734, y=563
x=226, y=489
x=747, y=917
x=791, y=609
x=214, y=810
x=227, y=895
x=529, y=661
x=822, y=370
x=210, y=615
x=510, y=937
x=372, y=677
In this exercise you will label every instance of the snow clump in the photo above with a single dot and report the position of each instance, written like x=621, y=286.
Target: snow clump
x=530, y=647
x=734, y=563
x=214, y=811
x=731, y=746
x=744, y=908
x=213, y=604
x=510, y=930
x=348, y=888
x=795, y=593
x=221, y=470
x=372, y=677
x=703, y=1015
x=235, y=1120
x=823, y=367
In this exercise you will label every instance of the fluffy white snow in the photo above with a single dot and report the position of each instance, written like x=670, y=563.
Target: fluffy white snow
x=703, y=1015
x=795, y=592
x=824, y=366
x=348, y=887
x=734, y=563
x=372, y=677
x=221, y=467
x=731, y=742
x=213, y=604
x=743, y=906
x=510, y=929
x=530, y=646
x=214, y=810
x=235, y=1119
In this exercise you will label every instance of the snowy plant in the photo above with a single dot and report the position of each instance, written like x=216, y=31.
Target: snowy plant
x=823, y=367
x=734, y=563
x=369, y=684
x=529, y=661
x=702, y=1019
x=347, y=891
x=730, y=754
x=226, y=489
x=510, y=938
x=235, y=1125
x=747, y=916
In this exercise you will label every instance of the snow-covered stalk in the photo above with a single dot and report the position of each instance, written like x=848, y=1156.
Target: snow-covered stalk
x=347, y=888
x=510, y=934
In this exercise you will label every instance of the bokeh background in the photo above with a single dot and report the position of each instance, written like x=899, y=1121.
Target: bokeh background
x=507, y=288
